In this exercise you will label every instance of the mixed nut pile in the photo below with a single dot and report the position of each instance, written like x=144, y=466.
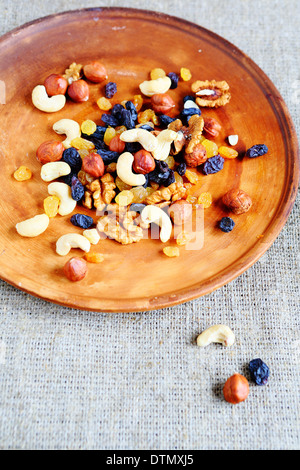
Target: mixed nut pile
x=134, y=169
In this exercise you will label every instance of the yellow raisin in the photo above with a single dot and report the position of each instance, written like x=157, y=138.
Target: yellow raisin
x=94, y=257
x=51, y=205
x=171, y=251
x=83, y=152
x=22, y=174
x=178, y=178
x=109, y=134
x=170, y=161
x=191, y=199
x=138, y=102
x=185, y=74
x=191, y=176
x=120, y=129
x=205, y=199
x=148, y=115
x=140, y=193
x=227, y=152
x=104, y=104
x=121, y=185
x=124, y=198
x=82, y=144
x=157, y=73
x=88, y=127
x=211, y=148
x=183, y=238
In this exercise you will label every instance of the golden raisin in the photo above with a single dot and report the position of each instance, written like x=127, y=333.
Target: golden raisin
x=124, y=198
x=205, y=199
x=88, y=127
x=82, y=144
x=94, y=257
x=109, y=134
x=104, y=104
x=191, y=176
x=171, y=251
x=120, y=129
x=51, y=205
x=157, y=73
x=211, y=148
x=227, y=152
x=140, y=193
x=138, y=102
x=121, y=185
x=148, y=115
x=185, y=74
x=22, y=174
x=183, y=238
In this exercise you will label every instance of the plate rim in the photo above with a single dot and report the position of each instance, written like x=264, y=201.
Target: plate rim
x=228, y=274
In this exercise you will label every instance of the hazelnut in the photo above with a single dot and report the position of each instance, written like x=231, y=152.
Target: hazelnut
x=50, y=151
x=197, y=157
x=180, y=212
x=79, y=91
x=95, y=72
x=236, y=389
x=212, y=127
x=237, y=201
x=75, y=269
x=143, y=162
x=116, y=144
x=93, y=165
x=55, y=85
x=162, y=103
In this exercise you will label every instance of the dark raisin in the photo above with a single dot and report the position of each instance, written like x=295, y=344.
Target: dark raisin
x=110, y=120
x=68, y=178
x=77, y=189
x=127, y=119
x=161, y=174
x=181, y=169
x=226, y=224
x=146, y=127
x=132, y=147
x=213, y=165
x=257, y=151
x=174, y=80
x=259, y=371
x=189, y=98
x=170, y=179
x=110, y=89
x=108, y=156
x=72, y=158
x=136, y=207
x=130, y=107
x=166, y=120
x=145, y=185
x=81, y=220
x=189, y=112
x=116, y=111
x=97, y=137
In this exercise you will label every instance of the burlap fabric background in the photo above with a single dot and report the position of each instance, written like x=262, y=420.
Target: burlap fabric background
x=80, y=380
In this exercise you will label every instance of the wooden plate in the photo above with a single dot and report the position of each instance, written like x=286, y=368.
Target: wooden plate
x=131, y=43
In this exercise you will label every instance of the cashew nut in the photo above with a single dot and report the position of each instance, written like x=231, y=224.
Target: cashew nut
x=151, y=87
x=216, y=334
x=45, y=103
x=154, y=214
x=164, y=140
x=53, y=170
x=147, y=140
x=124, y=170
x=63, y=192
x=72, y=240
x=34, y=226
x=70, y=128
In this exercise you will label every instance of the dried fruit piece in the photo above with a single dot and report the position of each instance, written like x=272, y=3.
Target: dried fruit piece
x=82, y=220
x=213, y=165
x=236, y=389
x=73, y=158
x=237, y=200
x=205, y=199
x=191, y=176
x=148, y=115
x=124, y=198
x=140, y=193
x=51, y=205
x=226, y=224
x=22, y=173
x=110, y=89
x=77, y=189
x=211, y=148
x=185, y=74
x=259, y=371
x=227, y=152
x=88, y=127
x=157, y=73
x=183, y=238
x=257, y=151
x=94, y=257
x=121, y=185
x=79, y=143
x=109, y=134
x=174, y=80
x=104, y=104
x=171, y=251
x=75, y=269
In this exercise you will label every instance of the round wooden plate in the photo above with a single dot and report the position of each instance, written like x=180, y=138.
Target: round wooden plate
x=131, y=43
